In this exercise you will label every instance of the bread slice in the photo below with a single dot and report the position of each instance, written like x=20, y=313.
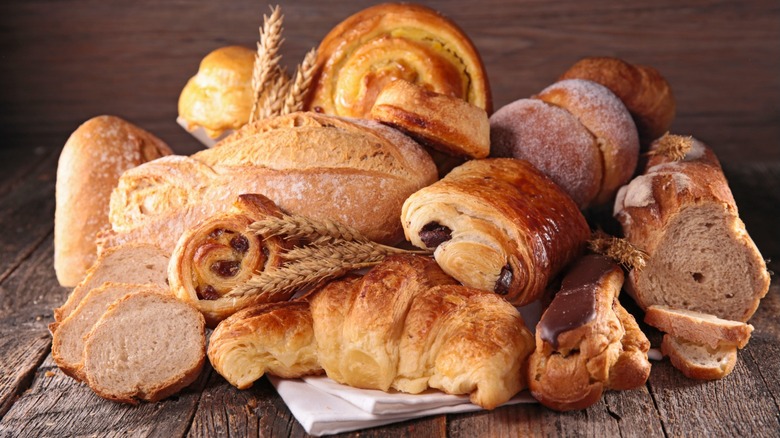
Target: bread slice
x=67, y=347
x=698, y=361
x=697, y=327
x=147, y=346
x=131, y=263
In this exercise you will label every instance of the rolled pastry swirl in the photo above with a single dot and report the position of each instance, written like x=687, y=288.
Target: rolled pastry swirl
x=393, y=41
x=218, y=254
x=499, y=225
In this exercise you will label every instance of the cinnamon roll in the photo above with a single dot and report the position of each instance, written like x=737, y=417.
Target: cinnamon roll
x=217, y=255
x=393, y=41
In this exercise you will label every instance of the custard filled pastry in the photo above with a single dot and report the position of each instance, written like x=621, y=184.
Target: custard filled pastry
x=405, y=325
x=498, y=225
x=586, y=342
x=218, y=254
x=380, y=44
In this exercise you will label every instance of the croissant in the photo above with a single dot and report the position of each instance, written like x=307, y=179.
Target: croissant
x=405, y=325
x=393, y=41
x=586, y=342
x=321, y=166
x=499, y=225
x=218, y=254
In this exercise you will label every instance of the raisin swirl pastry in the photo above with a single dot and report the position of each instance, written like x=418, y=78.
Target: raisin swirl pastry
x=393, y=41
x=217, y=255
x=499, y=225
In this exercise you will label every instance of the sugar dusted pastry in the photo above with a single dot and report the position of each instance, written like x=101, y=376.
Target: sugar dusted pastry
x=498, y=225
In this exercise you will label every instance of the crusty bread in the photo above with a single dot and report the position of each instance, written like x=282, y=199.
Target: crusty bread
x=146, y=346
x=443, y=122
x=90, y=164
x=67, y=347
x=390, y=41
x=219, y=97
x=698, y=361
x=700, y=257
x=131, y=263
x=697, y=327
x=319, y=166
x=643, y=90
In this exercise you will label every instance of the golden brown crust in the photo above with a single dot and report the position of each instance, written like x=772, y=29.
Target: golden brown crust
x=219, y=97
x=445, y=123
x=605, y=116
x=391, y=41
x=643, y=90
x=698, y=361
x=604, y=349
x=219, y=254
x=501, y=215
x=91, y=162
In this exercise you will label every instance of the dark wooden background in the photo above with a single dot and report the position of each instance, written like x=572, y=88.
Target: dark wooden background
x=64, y=61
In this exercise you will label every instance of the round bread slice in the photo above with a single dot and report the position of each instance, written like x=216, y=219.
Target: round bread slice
x=147, y=346
x=698, y=327
x=67, y=346
x=698, y=361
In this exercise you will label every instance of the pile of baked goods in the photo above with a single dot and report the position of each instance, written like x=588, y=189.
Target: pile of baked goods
x=386, y=132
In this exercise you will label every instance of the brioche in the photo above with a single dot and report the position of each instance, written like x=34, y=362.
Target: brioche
x=311, y=164
x=90, y=164
x=700, y=257
x=220, y=253
x=146, y=346
x=498, y=225
x=382, y=43
x=697, y=327
x=220, y=96
x=698, y=361
x=442, y=122
x=130, y=263
x=67, y=347
x=586, y=342
x=643, y=90
x=405, y=325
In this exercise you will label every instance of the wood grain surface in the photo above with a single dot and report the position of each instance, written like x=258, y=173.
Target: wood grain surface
x=64, y=61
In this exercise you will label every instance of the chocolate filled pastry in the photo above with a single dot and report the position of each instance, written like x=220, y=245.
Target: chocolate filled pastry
x=586, y=342
x=380, y=44
x=498, y=225
x=218, y=254
x=643, y=90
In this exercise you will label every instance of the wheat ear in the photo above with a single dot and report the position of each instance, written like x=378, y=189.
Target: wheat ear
x=619, y=250
x=300, y=86
x=673, y=147
x=266, y=65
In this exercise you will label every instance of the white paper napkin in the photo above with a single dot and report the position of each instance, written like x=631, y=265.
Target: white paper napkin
x=321, y=405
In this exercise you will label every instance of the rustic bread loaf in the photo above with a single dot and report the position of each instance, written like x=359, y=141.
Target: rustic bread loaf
x=701, y=258
x=130, y=263
x=697, y=327
x=697, y=361
x=67, y=347
x=146, y=346
x=357, y=172
x=90, y=164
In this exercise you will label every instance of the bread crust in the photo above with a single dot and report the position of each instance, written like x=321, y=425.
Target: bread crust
x=649, y=209
x=672, y=348
x=644, y=91
x=319, y=166
x=91, y=162
x=391, y=41
x=445, y=123
x=502, y=215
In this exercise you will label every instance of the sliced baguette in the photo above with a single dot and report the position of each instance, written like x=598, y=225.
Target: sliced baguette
x=131, y=263
x=697, y=327
x=147, y=346
x=698, y=361
x=67, y=347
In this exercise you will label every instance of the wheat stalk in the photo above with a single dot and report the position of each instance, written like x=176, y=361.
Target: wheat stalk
x=673, y=147
x=273, y=99
x=266, y=65
x=299, y=89
x=619, y=250
x=301, y=227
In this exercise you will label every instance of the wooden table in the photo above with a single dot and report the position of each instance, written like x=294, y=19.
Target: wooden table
x=64, y=62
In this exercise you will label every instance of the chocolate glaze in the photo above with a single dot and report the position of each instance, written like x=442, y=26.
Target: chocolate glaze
x=575, y=304
x=434, y=234
x=504, y=280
